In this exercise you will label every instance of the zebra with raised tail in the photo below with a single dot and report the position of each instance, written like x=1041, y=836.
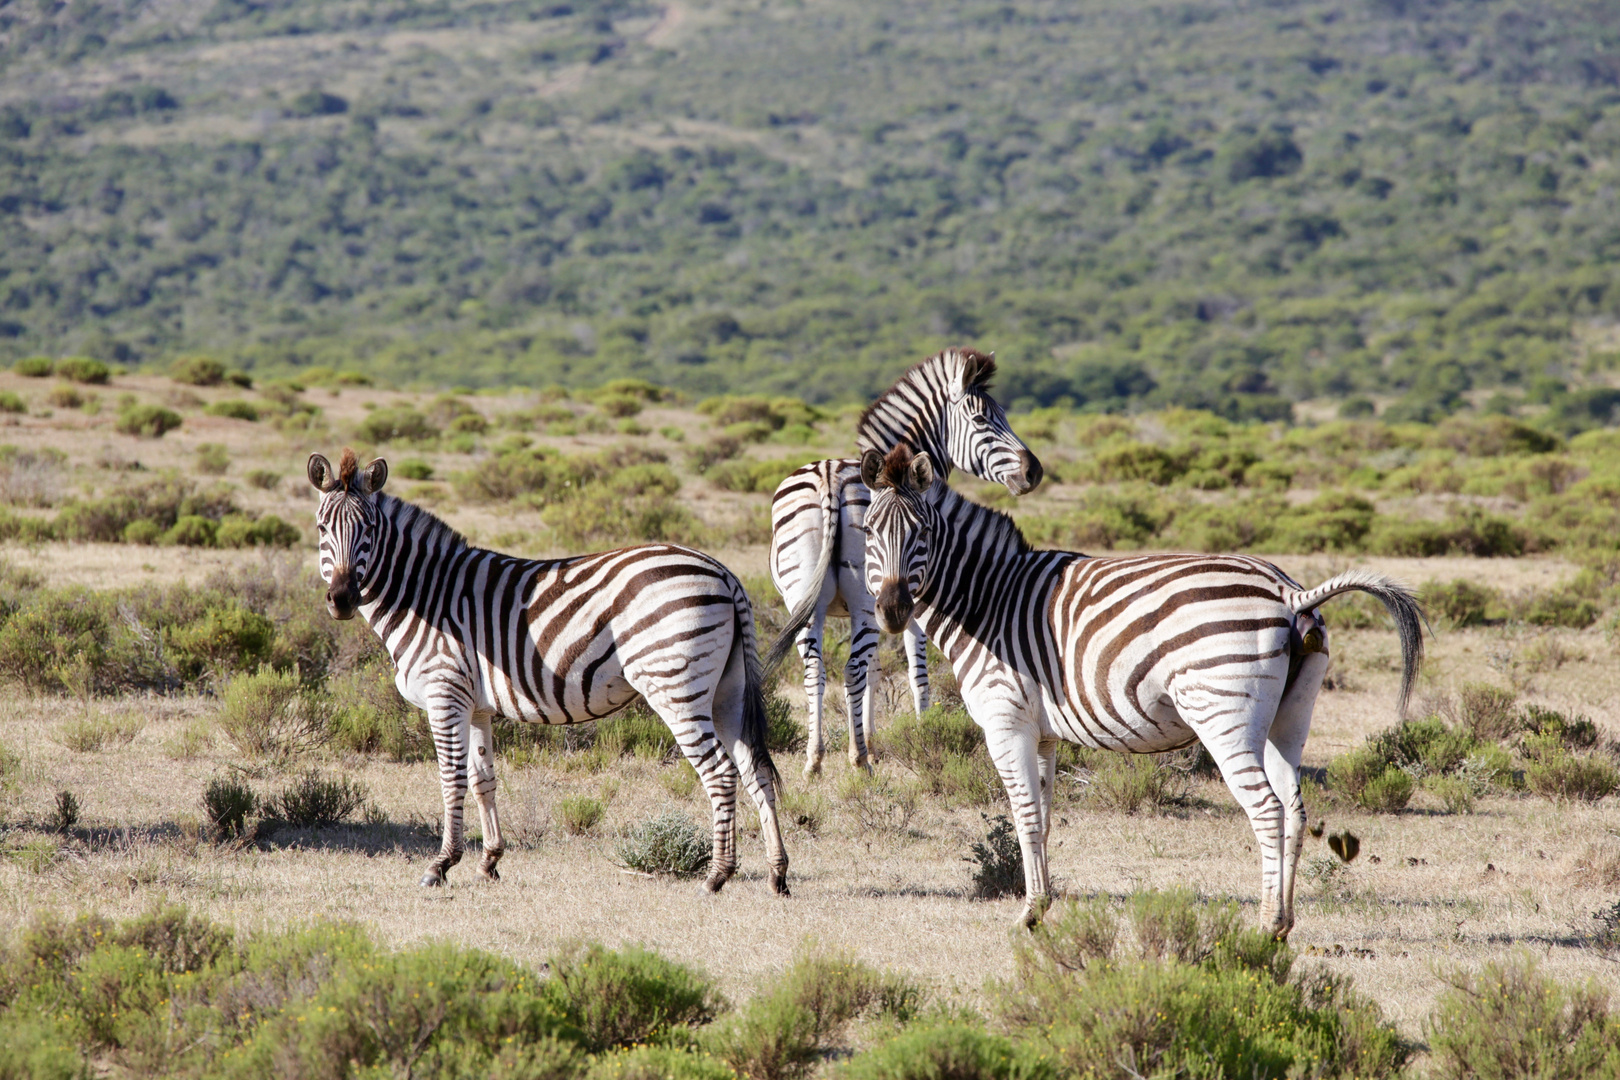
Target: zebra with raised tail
x=475, y=634
x=1137, y=653
x=942, y=405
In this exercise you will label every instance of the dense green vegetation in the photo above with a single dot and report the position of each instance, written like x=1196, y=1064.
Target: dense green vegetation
x=1225, y=206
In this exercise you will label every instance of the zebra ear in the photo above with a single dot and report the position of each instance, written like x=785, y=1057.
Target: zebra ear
x=320, y=472
x=374, y=476
x=922, y=472
x=871, y=468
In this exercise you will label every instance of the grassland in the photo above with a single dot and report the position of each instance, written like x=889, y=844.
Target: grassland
x=878, y=864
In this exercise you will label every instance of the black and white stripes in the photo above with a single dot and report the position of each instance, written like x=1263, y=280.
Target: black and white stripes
x=1137, y=654
x=476, y=634
x=817, y=531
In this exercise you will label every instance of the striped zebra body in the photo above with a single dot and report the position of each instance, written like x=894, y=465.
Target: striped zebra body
x=818, y=531
x=475, y=634
x=1137, y=654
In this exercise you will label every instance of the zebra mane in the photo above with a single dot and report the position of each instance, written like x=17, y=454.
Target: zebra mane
x=423, y=522
x=348, y=469
x=894, y=418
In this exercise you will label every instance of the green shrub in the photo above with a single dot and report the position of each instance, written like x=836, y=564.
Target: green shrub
x=82, y=369
x=234, y=409
x=1555, y=773
x=399, y=423
x=239, y=530
x=66, y=814
x=264, y=479
x=999, y=860
x=658, y=1063
x=213, y=459
x=948, y=1051
x=35, y=367
x=628, y=997
x=1571, y=732
x=192, y=530
x=1560, y=607
x=227, y=804
x=667, y=844
x=267, y=715
x=619, y=405
x=945, y=749
x=197, y=371
x=1460, y=602
x=226, y=638
x=149, y=421
x=368, y=716
x=91, y=734
x=65, y=396
x=1132, y=782
x=414, y=469
x=1508, y=1021
x=1487, y=712
x=748, y=475
x=11, y=403
x=1198, y=995
x=787, y=1028
x=315, y=801
x=579, y=814
x=1388, y=792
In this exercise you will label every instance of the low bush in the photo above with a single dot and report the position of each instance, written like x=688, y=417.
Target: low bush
x=579, y=814
x=227, y=805
x=1554, y=772
x=148, y=421
x=787, y=1028
x=10, y=402
x=82, y=369
x=629, y=997
x=268, y=714
x=948, y=1051
x=316, y=801
x=1132, y=782
x=756, y=476
x=366, y=715
x=667, y=844
x=414, y=469
x=1487, y=712
x=998, y=860
x=234, y=409
x=65, y=396
x=35, y=367
x=659, y=1063
x=945, y=750
x=1461, y=602
x=264, y=479
x=1509, y=1020
x=66, y=813
x=399, y=423
x=1193, y=993
x=197, y=371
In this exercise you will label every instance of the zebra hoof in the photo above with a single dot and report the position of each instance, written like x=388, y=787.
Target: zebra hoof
x=433, y=879
x=490, y=872
x=779, y=883
x=716, y=882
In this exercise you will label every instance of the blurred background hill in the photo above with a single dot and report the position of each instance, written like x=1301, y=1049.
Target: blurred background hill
x=1234, y=206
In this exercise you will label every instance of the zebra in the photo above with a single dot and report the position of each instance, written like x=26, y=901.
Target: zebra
x=1136, y=653
x=943, y=405
x=475, y=634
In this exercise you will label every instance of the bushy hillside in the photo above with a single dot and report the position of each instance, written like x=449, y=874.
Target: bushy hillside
x=1230, y=206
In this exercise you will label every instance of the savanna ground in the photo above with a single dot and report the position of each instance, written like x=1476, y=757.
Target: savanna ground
x=877, y=865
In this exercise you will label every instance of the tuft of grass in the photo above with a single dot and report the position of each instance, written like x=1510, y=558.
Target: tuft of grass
x=227, y=804
x=670, y=843
x=315, y=801
x=680, y=781
x=65, y=815
x=264, y=479
x=148, y=421
x=945, y=750
x=629, y=997
x=213, y=459
x=579, y=814
x=999, y=860
x=1509, y=1020
x=90, y=734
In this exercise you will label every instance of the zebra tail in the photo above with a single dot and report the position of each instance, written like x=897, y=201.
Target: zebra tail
x=1398, y=600
x=800, y=615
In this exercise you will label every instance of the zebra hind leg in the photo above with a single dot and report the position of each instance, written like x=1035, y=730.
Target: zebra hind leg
x=721, y=786
x=863, y=643
x=815, y=688
x=1284, y=749
x=483, y=769
x=449, y=725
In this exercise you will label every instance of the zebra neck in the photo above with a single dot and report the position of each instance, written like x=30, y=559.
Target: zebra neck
x=979, y=561
x=415, y=554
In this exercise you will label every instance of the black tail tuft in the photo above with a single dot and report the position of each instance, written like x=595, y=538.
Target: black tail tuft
x=756, y=720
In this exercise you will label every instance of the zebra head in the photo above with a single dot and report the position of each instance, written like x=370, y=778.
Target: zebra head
x=942, y=407
x=898, y=524
x=347, y=523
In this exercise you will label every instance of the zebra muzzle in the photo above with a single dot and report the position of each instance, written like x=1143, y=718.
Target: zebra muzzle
x=894, y=605
x=1030, y=479
x=341, y=600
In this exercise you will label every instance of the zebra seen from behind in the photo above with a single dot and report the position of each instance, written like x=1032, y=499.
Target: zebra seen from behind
x=475, y=634
x=817, y=534
x=1136, y=653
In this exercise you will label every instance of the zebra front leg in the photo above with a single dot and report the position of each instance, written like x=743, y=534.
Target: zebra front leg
x=917, y=663
x=449, y=725
x=1013, y=745
x=483, y=769
x=815, y=687
x=1047, y=751
x=863, y=642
